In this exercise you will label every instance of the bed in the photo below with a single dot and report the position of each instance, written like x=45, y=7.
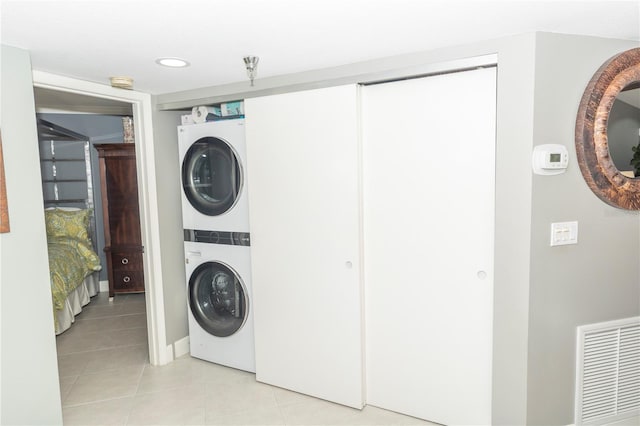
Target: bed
x=73, y=263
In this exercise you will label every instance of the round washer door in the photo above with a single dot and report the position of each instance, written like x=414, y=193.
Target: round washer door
x=218, y=299
x=211, y=176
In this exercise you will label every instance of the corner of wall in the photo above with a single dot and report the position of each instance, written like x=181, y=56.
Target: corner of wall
x=29, y=365
x=516, y=64
x=165, y=134
x=181, y=347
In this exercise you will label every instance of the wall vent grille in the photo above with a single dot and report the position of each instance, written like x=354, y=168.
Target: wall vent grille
x=608, y=372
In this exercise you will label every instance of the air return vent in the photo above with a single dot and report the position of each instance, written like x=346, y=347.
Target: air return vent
x=608, y=372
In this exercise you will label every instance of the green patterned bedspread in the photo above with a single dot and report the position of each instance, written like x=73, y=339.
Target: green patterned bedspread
x=70, y=262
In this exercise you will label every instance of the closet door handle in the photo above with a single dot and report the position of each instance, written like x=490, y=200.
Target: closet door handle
x=124, y=260
x=126, y=279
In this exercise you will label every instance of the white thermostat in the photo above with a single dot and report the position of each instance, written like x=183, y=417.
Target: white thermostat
x=550, y=159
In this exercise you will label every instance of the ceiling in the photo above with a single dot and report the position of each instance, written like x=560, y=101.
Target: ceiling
x=93, y=40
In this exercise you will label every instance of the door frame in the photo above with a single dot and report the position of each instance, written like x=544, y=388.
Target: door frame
x=159, y=352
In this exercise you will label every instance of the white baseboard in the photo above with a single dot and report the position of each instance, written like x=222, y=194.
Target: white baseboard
x=104, y=286
x=181, y=347
x=169, y=354
x=177, y=349
x=629, y=421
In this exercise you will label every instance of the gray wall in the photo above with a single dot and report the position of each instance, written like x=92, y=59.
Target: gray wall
x=30, y=392
x=622, y=133
x=514, y=134
x=99, y=129
x=599, y=278
x=165, y=135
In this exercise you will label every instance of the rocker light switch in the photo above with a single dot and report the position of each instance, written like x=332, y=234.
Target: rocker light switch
x=563, y=233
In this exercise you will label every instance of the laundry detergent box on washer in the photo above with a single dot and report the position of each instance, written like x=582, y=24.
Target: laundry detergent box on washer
x=232, y=108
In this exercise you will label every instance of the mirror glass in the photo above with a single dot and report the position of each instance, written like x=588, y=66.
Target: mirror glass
x=623, y=131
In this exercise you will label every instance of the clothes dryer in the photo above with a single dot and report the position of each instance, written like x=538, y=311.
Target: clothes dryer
x=212, y=162
x=220, y=311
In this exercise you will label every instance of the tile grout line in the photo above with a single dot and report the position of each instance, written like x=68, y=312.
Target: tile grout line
x=94, y=354
x=102, y=349
x=103, y=331
x=135, y=394
x=70, y=388
x=109, y=316
x=97, y=401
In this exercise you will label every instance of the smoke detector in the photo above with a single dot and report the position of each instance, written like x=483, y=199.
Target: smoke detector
x=122, y=82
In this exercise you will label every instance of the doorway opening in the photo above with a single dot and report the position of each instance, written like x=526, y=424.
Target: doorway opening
x=76, y=96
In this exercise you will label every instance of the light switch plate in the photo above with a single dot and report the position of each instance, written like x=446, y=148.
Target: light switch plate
x=563, y=233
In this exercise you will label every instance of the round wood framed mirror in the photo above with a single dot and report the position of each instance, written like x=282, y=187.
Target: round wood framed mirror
x=618, y=74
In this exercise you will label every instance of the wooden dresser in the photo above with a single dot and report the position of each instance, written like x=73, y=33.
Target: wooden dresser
x=123, y=241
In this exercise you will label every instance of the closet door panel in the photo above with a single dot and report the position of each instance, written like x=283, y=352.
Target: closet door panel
x=303, y=173
x=428, y=185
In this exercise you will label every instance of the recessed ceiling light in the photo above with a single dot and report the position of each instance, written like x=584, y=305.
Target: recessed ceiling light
x=172, y=62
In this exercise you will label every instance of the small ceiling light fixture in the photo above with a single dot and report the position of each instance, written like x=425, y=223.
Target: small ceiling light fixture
x=251, y=62
x=172, y=62
x=122, y=82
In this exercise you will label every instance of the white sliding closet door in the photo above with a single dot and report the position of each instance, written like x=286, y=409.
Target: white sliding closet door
x=429, y=173
x=303, y=171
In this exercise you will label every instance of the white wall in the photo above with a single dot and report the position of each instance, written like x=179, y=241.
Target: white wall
x=29, y=370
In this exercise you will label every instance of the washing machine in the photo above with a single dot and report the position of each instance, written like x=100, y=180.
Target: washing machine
x=214, y=188
x=220, y=312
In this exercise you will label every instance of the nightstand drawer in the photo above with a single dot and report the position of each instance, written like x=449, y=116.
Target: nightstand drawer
x=128, y=280
x=126, y=261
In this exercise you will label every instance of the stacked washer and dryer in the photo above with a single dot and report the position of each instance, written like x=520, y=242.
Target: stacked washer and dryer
x=215, y=215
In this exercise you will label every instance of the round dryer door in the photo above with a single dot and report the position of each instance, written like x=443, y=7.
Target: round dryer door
x=218, y=299
x=211, y=176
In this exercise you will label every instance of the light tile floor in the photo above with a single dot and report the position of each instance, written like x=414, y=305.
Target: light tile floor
x=106, y=378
